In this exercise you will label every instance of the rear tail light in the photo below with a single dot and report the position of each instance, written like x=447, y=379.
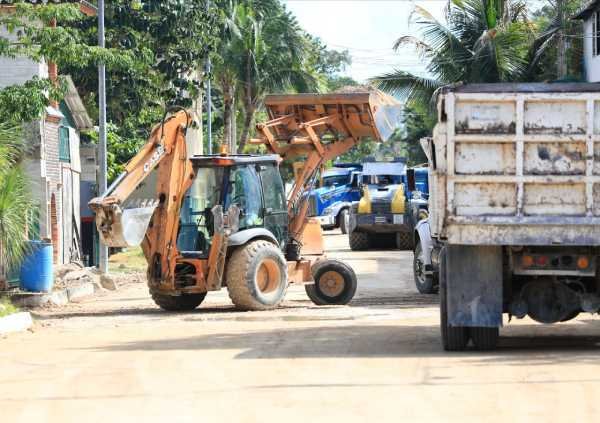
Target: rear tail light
x=541, y=261
x=583, y=262
x=527, y=261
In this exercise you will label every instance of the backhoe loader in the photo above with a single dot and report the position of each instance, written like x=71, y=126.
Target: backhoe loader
x=210, y=221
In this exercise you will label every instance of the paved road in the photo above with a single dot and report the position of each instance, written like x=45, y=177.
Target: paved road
x=119, y=358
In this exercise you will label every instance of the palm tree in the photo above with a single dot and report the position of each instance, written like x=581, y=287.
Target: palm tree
x=14, y=200
x=483, y=41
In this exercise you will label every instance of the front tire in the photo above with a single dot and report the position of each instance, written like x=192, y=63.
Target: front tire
x=257, y=276
x=454, y=338
x=186, y=302
x=404, y=241
x=425, y=283
x=335, y=283
x=343, y=221
x=359, y=241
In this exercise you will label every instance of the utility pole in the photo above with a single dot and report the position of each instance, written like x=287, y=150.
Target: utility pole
x=208, y=97
x=103, y=264
x=561, y=71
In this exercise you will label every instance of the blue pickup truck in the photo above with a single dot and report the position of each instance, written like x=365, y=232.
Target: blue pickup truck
x=393, y=200
x=331, y=202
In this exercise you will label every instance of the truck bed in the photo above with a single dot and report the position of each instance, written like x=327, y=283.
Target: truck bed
x=517, y=164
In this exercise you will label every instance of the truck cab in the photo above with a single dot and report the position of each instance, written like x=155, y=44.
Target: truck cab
x=393, y=200
x=339, y=187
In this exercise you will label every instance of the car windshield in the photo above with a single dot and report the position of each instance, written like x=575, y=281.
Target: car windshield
x=335, y=180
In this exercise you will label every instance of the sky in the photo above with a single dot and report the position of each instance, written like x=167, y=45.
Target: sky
x=367, y=29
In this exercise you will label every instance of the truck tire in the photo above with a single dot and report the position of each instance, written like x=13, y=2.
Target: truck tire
x=404, y=240
x=335, y=283
x=343, y=221
x=359, y=241
x=256, y=276
x=425, y=283
x=484, y=339
x=186, y=302
x=454, y=338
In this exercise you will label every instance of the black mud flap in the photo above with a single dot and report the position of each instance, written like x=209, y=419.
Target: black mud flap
x=474, y=278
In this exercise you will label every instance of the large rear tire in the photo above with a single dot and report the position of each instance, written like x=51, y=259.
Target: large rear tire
x=404, y=241
x=359, y=241
x=484, y=339
x=257, y=276
x=335, y=283
x=425, y=283
x=454, y=338
x=343, y=221
x=186, y=302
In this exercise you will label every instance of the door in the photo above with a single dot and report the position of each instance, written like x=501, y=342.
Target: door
x=275, y=208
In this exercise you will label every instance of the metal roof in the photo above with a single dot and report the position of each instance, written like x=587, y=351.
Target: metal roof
x=587, y=9
x=76, y=107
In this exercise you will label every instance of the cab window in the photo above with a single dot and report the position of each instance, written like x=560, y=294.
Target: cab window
x=273, y=189
x=244, y=191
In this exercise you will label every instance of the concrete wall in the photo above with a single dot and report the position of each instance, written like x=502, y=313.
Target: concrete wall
x=591, y=62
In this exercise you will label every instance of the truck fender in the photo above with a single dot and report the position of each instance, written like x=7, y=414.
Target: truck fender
x=423, y=234
x=336, y=208
x=243, y=236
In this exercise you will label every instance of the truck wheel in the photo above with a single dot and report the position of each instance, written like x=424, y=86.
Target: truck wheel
x=484, y=339
x=256, y=276
x=425, y=283
x=335, y=283
x=454, y=338
x=177, y=302
x=343, y=221
x=359, y=241
x=404, y=241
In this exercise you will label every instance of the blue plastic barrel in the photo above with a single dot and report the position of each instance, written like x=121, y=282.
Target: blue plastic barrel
x=36, y=271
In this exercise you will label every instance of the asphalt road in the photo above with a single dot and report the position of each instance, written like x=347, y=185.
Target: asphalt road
x=117, y=357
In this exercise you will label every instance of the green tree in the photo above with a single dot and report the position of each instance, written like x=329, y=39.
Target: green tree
x=14, y=199
x=483, y=41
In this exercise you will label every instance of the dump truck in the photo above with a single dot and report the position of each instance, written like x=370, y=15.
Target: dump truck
x=208, y=222
x=390, y=205
x=514, y=211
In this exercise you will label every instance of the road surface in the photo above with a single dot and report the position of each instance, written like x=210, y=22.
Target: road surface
x=117, y=357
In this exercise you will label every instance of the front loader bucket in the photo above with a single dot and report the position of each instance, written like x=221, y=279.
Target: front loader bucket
x=123, y=227
x=367, y=113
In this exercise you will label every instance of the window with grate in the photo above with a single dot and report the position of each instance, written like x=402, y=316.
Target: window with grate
x=64, y=146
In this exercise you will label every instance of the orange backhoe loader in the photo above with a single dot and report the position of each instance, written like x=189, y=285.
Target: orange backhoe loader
x=205, y=222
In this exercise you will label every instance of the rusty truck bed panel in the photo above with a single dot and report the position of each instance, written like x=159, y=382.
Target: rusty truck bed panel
x=515, y=162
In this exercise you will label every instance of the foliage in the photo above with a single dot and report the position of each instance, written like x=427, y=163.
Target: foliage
x=483, y=41
x=6, y=307
x=119, y=150
x=418, y=122
x=544, y=50
x=26, y=37
x=14, y=199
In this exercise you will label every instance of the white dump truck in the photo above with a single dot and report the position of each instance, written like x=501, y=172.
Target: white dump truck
x=514, y=223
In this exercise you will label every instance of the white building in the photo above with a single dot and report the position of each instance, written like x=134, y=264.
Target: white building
x=590, y=15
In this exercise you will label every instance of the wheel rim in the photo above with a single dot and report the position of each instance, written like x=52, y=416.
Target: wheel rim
x=268, y=276
x=331, y=284
x=419, y=267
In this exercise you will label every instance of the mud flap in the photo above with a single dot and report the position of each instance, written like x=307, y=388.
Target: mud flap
x=474, y=284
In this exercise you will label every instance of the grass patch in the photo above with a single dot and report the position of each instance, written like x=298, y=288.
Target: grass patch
x=129, y=260
x=6, y=307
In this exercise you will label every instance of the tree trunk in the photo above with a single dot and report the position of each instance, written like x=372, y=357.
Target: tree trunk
x=249, y=111
x=562, y=48
x=233, y=126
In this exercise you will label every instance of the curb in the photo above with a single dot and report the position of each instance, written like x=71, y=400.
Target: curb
x=56, y=298
x=16, y=322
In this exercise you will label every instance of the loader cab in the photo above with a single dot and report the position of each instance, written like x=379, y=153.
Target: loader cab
x=253, y=183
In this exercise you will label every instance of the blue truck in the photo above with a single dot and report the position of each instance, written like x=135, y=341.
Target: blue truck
x=331, y=202
x=392, y=201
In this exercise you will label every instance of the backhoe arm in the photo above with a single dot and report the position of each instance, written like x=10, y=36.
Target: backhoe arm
x=124, y=211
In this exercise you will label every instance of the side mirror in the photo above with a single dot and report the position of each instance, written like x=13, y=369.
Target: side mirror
x=410, y=179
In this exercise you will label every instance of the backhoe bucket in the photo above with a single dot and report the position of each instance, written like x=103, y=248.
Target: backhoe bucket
x=368, y=113
x=123, y=227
